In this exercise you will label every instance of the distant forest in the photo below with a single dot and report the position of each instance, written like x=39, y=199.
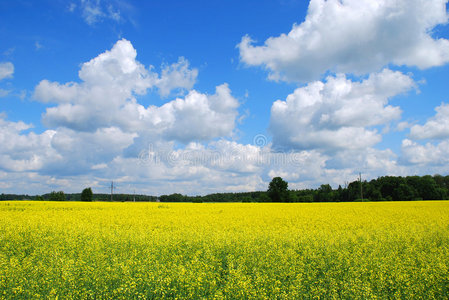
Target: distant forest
x=387, y=188
x=77, y=197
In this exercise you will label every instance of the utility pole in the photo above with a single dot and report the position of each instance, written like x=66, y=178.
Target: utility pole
x=112, y=189
x=361, y=188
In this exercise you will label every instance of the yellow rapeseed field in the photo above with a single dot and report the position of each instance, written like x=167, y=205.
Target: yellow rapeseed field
x=232, y=251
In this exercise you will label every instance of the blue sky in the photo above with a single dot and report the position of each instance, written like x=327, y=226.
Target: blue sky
x=196, y=97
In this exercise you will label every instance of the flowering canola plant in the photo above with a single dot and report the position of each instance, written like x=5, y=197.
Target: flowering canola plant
x=80, y=250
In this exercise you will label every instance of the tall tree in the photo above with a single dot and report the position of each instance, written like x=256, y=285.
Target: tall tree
x=324, y=193
x=86, y=195
x=278, y=190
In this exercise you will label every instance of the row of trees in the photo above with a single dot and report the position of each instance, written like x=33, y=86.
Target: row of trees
x=86, y=195
x=387, y=188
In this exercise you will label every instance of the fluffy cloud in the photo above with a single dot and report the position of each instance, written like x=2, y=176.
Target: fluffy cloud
x=23, y=152
x=117, y=66
x=198, y=116
x=223, y=166
x=337, y=114
x=69, y=160
x=47, y=92
x=6, y=70
x=99, y=132
x=353, y=36
x=118, y=73
x=106, y=98
x=115, y=72
x=109, y=85
x=370, y=161
x=99, y=129
x=226, y=165
x=61, y=152
x=78, y=152
x=436, y=127
x=434, y=152
x=427, y=155
x=176, y=76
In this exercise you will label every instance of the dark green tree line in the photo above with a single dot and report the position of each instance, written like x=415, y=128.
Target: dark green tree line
x=386, y=188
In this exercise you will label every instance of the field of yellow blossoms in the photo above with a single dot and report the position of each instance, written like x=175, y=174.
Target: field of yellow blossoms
x=232, y=251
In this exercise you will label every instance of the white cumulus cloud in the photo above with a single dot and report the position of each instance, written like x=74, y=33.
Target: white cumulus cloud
x=435, y=151
x=338, y=113
x=353, y=36
x=199, y=116
x=436, y=127
x=99, y=129
x=106, y=97
x=426, y=155
x=23, y=151
x=78, y=152
x=176, y=76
